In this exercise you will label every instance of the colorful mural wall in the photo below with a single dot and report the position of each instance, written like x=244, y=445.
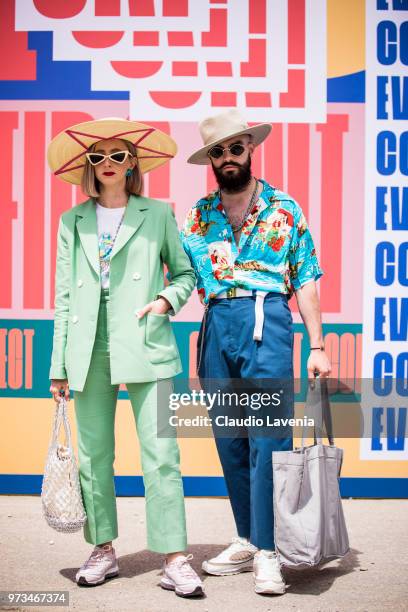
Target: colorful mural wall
x=327, y=73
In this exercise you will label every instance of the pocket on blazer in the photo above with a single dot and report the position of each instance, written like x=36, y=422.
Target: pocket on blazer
x=160, y=340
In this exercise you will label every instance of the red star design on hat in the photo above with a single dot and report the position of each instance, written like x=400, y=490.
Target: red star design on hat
x=142, y=134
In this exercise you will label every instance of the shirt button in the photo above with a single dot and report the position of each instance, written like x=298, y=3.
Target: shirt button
x=80, y=283
x=136, y=276
x=75, y=319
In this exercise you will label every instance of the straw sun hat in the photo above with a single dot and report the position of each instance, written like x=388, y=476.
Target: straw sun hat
x=66, y=152
x=216, y=129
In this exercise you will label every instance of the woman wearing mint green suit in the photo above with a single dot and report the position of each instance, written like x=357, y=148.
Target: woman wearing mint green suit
x=112, y=326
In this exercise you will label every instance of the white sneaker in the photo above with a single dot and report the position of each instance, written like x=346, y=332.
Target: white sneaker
x=238, y=557
x=180, y=577
x=101, y=565
x=267, y=575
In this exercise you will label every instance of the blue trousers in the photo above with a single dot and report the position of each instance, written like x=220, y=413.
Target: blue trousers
x=226, y=351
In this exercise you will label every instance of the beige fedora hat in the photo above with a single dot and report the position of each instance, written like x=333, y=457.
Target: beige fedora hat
x=66, y=152
x=216, y=129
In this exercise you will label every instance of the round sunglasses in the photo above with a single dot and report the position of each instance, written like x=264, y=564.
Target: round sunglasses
x=235, y=149
x=119, y=157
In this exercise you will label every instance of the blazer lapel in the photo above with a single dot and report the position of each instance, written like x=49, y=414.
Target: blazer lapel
x=133, y=219
x=88, y=234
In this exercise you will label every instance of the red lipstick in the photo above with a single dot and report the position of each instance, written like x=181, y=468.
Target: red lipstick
x=108, y=173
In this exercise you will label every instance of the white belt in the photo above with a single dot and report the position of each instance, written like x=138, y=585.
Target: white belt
x=259, y=304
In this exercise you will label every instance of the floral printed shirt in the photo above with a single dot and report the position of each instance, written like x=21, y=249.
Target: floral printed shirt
x=275, y=250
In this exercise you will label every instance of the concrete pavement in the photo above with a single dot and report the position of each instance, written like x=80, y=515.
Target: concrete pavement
x=373, y=576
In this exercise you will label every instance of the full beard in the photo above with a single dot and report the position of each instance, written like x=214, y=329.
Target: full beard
x=234, y=182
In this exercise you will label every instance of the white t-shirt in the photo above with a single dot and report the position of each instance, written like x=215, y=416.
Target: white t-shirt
x=108, y=222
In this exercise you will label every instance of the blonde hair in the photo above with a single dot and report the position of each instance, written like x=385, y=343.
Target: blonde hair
x=90, y=184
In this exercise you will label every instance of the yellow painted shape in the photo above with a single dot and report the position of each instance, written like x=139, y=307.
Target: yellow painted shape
x=25, y=426
x=345, y=37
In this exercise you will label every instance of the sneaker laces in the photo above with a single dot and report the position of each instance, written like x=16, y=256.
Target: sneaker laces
x=272, y=570
x=236, y=544
x=268, y=554
x=96, y=556
x=184, y=566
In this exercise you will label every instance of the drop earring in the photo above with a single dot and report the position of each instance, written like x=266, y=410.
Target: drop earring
x=129, y=172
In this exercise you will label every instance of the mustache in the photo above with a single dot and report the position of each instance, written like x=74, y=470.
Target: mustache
x=230, y=164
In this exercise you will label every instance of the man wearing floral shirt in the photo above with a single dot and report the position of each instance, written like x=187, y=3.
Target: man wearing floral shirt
x=251, y=249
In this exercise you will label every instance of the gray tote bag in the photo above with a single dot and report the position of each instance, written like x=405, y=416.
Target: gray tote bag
x=309, y=523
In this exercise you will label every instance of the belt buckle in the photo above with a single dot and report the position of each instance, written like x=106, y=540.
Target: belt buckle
x=232, y=292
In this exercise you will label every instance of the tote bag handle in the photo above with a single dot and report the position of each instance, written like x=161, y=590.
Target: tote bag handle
x=318, y=407
x=61, y=417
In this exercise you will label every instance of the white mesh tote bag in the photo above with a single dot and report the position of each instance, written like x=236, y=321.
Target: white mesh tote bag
x=308, y=516
x=61, y=490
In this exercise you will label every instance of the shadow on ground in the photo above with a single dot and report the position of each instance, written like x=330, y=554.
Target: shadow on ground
x=316, y=581
x=309, y=581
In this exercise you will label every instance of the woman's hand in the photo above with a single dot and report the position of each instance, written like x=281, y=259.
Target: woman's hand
x=159, y=306
x=56, y=388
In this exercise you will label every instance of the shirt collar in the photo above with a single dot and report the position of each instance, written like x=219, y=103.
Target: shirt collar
x=267, y=191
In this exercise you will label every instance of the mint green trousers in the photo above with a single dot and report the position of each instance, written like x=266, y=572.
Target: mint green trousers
x=95, y=408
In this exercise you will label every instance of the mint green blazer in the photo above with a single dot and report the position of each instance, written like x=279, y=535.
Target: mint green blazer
x=140, y=350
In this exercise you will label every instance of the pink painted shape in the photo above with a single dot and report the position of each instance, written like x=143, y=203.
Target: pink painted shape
x=175, y=8
x=136, y=70
x=141, y=8
x=217, y=36
x=180, y=39
x=347, y=356
x=34, y=194
x=175, y=99
x=97, y=40
x=211, y=182
x=257, y=16
x=297, y=353
x=332, y=349
x=107, y=8
x=146, y=39
x=296, y=31
x=299, y=167
x=159, y=180
x=359, y=355
x=331, y=218
x=59, y=10
x=9, y=122
x=295, y=96
x=273, y=156
x=256, y=164
x=258, y=99
x=256, y=65
x=215, y=69
x=21, y=63
x=192, y=361
x=352, y=255
x=61, y=192
x=184, y=69
x=223, y=98
x=80, y=196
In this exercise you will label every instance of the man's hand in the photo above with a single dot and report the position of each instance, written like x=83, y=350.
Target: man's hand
x=59, y=386
x=319, y=363
x=159, y=306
